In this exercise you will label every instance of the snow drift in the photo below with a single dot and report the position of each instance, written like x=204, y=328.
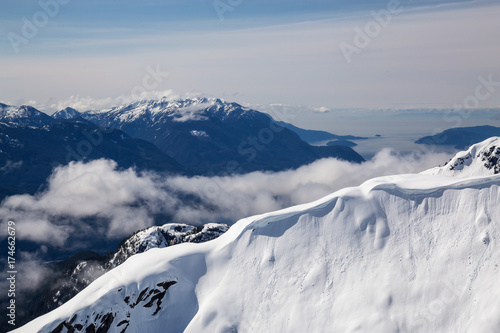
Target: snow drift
x=407, y=253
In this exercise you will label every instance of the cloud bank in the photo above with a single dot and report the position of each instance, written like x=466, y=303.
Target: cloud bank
x=124, y=201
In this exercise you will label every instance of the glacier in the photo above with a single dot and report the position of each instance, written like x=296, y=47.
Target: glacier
x=405, y=253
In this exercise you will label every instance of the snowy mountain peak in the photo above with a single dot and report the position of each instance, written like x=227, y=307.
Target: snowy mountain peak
x=24, y=115
x=481, y=159
x=67, y=113
x=182, y=110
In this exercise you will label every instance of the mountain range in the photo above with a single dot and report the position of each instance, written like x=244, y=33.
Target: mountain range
x=29, y=153
x=210, y=135
x=192, y=136
x=406, y=253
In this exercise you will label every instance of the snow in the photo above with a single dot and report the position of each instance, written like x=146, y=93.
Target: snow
x=201, y=134
x=481, y=159
x=182, y=110
x=406, y=253
x=67, y=113
x=164, y=236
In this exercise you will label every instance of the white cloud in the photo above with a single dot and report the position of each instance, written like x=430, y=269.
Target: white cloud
x=82, y=190
x=243, y=195
x=89, y=189
x=126, y=201
x=31, y=273
x=89, y=103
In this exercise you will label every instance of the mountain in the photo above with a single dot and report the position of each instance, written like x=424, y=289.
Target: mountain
x=315, y=137
x=28, y=154
x=213, y=136
x=482, y=159
x=74, y=274
x=24, y=116
x=461, y=137
x=406, y=253
x=341, y=142
x=206, y=136
x=4, y=106
x=164, y=236
x=67, y=113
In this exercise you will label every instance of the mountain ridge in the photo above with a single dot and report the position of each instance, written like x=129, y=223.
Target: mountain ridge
x=481, y=159
x=211, y=134
x=205, y=135
x=461, y=137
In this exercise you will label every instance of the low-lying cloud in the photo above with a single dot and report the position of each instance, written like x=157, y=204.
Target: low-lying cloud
x=125, y=201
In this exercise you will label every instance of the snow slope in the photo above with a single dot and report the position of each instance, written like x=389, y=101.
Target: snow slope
x=481, y=159
x=407, y=253
x=86, y=271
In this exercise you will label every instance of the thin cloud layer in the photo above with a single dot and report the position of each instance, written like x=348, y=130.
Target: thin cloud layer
x=125, y=201
x=88, y=103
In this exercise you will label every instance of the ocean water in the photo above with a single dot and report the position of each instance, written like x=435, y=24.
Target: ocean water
x=396, y=129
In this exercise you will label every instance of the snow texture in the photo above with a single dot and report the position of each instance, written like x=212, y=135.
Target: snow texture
x=406, y=253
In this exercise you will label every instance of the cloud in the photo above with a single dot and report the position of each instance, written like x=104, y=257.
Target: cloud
x=124, y=201
x=244, y=195
x=294, y=63
x=10, y=165
x=89, y=103
x=31, y=272
x=322, y=109
x=82, y=190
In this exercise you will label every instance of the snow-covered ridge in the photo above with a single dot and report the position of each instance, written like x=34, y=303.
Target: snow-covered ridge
x=182, y=110
x=481, y=159
x=24, y=116
x=163, y=236
x=409, y=253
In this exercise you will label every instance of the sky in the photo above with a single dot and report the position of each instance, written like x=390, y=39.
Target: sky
x=330, y=54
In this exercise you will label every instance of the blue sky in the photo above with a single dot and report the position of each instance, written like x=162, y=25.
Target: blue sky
x=262, y=52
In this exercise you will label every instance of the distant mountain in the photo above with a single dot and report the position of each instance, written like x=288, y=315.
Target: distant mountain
x=314, y=136
x=28, y=154
x=207, y=136
x=213, y=136
x=341, y=142
x=67, y=113
x=461, y=137
x=24, y=116
x=481, y=159
x=403, y=253
x=75, y=273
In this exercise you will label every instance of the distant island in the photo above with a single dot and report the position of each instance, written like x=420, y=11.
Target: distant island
x=460, y=137
x=341, y=142
x=315, y=137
